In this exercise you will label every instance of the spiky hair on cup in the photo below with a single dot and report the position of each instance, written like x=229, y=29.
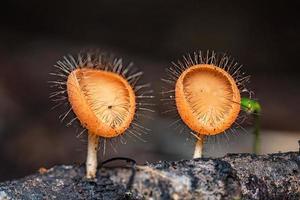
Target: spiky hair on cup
x=105, y=96
x=204, y=92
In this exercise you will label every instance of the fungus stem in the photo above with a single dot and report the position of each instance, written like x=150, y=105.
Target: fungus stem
x=199, y=146
x=91, y=161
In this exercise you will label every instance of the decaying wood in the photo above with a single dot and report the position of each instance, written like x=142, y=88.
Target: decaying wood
x=235, y=176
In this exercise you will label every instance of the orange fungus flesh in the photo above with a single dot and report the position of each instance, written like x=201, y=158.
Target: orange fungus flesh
x=207, y=99
x=104, y=102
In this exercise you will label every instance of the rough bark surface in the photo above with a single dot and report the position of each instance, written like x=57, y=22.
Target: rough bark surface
x=235, y=176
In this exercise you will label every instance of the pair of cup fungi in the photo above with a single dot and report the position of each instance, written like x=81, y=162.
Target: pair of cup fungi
x=108, y=99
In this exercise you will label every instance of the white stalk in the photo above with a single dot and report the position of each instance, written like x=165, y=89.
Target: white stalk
x=199, y=146
x=91, y=160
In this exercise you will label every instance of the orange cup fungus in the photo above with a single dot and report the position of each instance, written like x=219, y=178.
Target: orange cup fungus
x=207, y=99
x=105, y=97
x=104, y=102
x=205, y=92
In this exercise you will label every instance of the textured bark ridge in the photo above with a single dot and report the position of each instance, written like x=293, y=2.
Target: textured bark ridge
x=235, y=176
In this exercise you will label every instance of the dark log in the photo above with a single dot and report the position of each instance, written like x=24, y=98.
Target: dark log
x=235, y=176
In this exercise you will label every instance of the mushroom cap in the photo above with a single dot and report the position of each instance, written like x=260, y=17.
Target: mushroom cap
x=104, y=102
x=207, y=99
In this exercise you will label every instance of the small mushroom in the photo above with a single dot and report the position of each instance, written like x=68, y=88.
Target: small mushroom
x=206, y=93
x=105, y=97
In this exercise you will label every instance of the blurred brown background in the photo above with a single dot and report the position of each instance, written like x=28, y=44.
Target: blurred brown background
x=264, y=37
